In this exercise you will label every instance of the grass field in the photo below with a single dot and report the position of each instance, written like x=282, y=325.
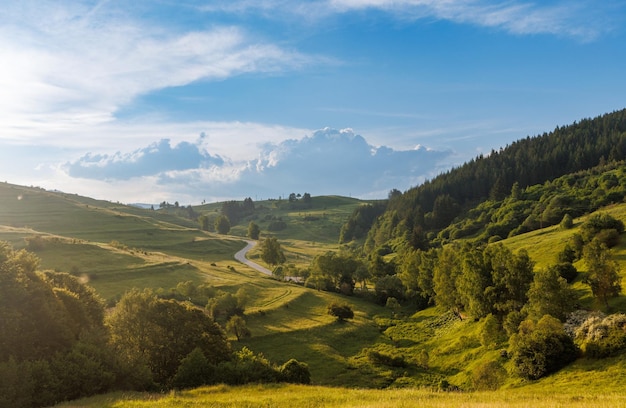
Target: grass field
x=116, y=248
x=315, y=396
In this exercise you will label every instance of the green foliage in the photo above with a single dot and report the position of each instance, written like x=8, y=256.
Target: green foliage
x=549, y=294
x=295, y=372
x=599, y=222
x=552, y=178
x=224, y=306
x=237, y=326
x=380, y=358
x=602, y=272
x=253, y=230
x=276, y=225
x=235, y=210
x=360, y=221
x=194, y=370
x=247, y=367
x=483, y=280
x=52, y=337
x=489, y=376
x=142, y=324
x=222, y=224
x=389, y=286
x=337, y=271
x=491, y=334
x=204, y=222
x=447, y=271
x=541, y=348
x=271, y=251
x=567, y=271
x=601, y=337
x=340, y=311
x=567, y=222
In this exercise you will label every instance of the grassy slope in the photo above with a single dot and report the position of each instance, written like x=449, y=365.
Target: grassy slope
x=116, y=247
x=314, y=396
x=158, y=250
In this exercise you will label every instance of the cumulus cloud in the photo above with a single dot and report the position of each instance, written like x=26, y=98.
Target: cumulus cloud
x=342, y=162
x=154, y=159
x=329, y=161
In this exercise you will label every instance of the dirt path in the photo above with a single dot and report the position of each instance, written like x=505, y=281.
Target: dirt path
x=241, y=257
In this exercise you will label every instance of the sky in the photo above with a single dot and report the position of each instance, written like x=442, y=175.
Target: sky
x=202, y=101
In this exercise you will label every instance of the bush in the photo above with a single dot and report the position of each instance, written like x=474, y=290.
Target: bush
x=248, y=367
x=194, y=371
x=541, y=348
x=488, y=376
x=341, y=312
x=602, y=336
x=566, y=271
x=567, y=222
x=609, y=237
x=598, y=222
x=295, y=372
x=491, y=334
x=386, y=359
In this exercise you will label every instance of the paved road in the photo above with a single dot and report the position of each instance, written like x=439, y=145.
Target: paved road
x=241, y=257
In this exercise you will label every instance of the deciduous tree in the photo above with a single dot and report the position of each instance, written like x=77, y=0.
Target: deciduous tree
x=222, y=224
x=271, y=251
x=603, y=272
x=253, y=230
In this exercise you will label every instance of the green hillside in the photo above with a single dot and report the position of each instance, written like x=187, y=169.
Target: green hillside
x=423, y=349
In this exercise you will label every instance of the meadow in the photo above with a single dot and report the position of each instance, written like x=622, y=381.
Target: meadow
x=254, y=396
x=115, y=247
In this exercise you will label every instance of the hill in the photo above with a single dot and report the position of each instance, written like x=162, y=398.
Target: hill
x=117, y=247
x=424, y=351
x=423, y=211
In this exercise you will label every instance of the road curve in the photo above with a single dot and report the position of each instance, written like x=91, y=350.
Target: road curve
x=241, y=257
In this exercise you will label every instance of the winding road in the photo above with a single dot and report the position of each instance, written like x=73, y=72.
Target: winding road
x=241, y=257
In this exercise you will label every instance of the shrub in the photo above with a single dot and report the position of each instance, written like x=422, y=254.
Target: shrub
x=602, y=336
x=341, y=312
x=377, y=357
x=567, y=271
x=295, y=372
x=609, y=237
x=541, y=348
x=567, y=222
x=512, y=321
x=248, y=367
x=488, y=376
x=491, y=333
x=598, y=222
x=194, y=371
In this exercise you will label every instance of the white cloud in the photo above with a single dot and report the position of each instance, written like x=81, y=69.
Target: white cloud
x=67, y=66
x=580, y=19
x=326, y=162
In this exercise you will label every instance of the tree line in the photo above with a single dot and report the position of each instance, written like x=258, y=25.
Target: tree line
x=431, y=206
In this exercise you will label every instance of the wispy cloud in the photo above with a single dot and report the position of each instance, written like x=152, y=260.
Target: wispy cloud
x=580, y=19
x=74, y=64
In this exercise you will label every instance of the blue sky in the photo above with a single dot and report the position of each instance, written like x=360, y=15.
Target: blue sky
x=153, y=101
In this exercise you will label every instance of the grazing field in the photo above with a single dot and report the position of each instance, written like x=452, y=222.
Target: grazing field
x=314, y=396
